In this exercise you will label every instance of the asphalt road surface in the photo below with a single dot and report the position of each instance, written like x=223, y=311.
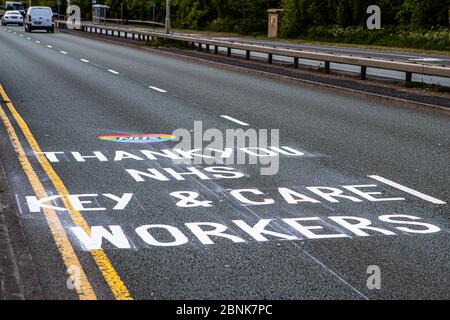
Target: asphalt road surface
x=357, y=209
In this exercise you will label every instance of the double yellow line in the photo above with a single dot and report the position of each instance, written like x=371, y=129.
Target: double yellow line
x=84, y=288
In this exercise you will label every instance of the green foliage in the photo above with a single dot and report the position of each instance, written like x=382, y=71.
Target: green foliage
x=418, y=23
x=303, y=14
x=433, y=39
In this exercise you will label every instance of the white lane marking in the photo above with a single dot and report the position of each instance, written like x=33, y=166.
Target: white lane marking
x=49, y=46
x=20, y=35
x=426, y=59
x=157, y=89
x=63, y=52
x=234, y=120
x=37, y=41
x=28, y=38
x=113, y=71
x=407, y=190
x=84, y=60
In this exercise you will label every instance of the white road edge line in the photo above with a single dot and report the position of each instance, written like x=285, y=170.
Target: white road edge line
x=84, y=60
x=49, y=46
x=37, y=41
x=113, y=71
x=408, y=190
x=63, y=52
x=157, y=89
x=234, y=120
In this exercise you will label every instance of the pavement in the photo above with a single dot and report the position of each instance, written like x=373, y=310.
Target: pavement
x=358, y=208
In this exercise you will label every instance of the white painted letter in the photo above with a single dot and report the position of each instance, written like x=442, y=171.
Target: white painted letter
x=179, y=237
x=94, y=241
x=218, y=231
x=305, y=230
x=258, y=229
x=153, y=173
x=97, y=154
x=390, y=219
x=122, y=202
x=330, y=196
x=293, y=197
x=238, y=195
x=368, y=195
x=361, y=224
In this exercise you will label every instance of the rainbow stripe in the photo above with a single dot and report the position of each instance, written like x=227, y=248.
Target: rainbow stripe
x=138, y=138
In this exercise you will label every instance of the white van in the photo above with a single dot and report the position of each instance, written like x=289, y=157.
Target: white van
x=39, y=18
x=15, y=6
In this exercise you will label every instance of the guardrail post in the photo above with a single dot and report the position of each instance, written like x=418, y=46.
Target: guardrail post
x=363, y=72
x=216, y=49
x=270, y=58
x=229, y=52
x=295, y=62
x=126, y=35
x=327, y=66
x=207, y=48
x=200, y=47
x=408, y=77
x=247, y=54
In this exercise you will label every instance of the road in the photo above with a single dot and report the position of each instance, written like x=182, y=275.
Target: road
x=358, y=207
